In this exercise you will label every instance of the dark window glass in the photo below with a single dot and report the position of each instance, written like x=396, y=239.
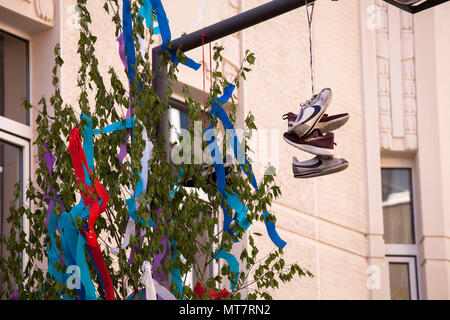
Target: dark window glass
x=13, y=77
x=397, y=206
x=10, y=174
x=179, y=119
x=399, y=281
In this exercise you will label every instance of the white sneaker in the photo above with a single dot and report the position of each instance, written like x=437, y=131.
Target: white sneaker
x=310, y=113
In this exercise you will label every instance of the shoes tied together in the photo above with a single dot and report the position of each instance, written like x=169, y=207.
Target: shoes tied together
x=310, y=131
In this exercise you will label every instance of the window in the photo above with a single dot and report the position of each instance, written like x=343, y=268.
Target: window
x=179, y=119
x=15, y=129
x=399, y=232
x=14, y=83
x=402, y=271
x=397, y=206
x=14, y=169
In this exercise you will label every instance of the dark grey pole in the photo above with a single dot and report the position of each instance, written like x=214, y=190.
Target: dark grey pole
x=160, y=84
x=236, y=23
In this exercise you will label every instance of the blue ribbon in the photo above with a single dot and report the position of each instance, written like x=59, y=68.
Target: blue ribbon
x=131, y=61
x=129, y=41
x=220, y=175
x=166, y=35
x=220, y=113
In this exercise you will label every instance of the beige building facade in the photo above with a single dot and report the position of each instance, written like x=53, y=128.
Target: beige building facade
x=378, y=230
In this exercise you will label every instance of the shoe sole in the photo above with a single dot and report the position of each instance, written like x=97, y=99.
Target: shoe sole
x=311, y=149
x=302, y=130
x=332, y=125
x=324, y=172
x=327, y=126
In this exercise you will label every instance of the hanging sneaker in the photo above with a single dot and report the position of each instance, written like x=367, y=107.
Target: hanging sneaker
x=315, y=143
x=318, y=166
x=310, y=113
x=189, y=182
x=326, y=123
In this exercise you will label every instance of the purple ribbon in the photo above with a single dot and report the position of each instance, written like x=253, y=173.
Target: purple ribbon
x=135, y=246
x=50, y=160
x=157, y=258
x=15, y=295
x=123, y=146
x=122, y=50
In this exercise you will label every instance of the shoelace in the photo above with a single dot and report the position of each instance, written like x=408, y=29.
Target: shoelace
x=303, y=105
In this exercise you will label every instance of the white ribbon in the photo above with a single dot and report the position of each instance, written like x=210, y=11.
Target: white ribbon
x=147, y=153
x=201, y=13
x=126, y=240
x=152, y=287
x=163, y=292
x=147, y=281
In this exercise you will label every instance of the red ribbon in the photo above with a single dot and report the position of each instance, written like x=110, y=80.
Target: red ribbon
x=200, y=291
x=90, y=198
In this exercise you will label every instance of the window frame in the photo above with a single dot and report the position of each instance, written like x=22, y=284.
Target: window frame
x=24, y=146
x=406, y=252
x=216, y=265
x=24, y=37
x=398, y=246
x=19, y=134
x=412, y=273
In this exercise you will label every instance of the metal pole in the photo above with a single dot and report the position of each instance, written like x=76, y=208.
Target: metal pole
x=160, y=84
x=235, y=24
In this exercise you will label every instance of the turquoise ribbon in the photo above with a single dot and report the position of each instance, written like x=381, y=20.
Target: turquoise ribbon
x=53, y=252
x=176, y=273
x=117, y=126
x=233, y=264
x=145, y=11
x=75, y=244
x=240, y=209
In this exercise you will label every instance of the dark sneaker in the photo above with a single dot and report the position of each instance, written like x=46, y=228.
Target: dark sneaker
x=310, y=113
x=326, y=123
x=315, y=143
x=189, y=182
x=319, y=166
